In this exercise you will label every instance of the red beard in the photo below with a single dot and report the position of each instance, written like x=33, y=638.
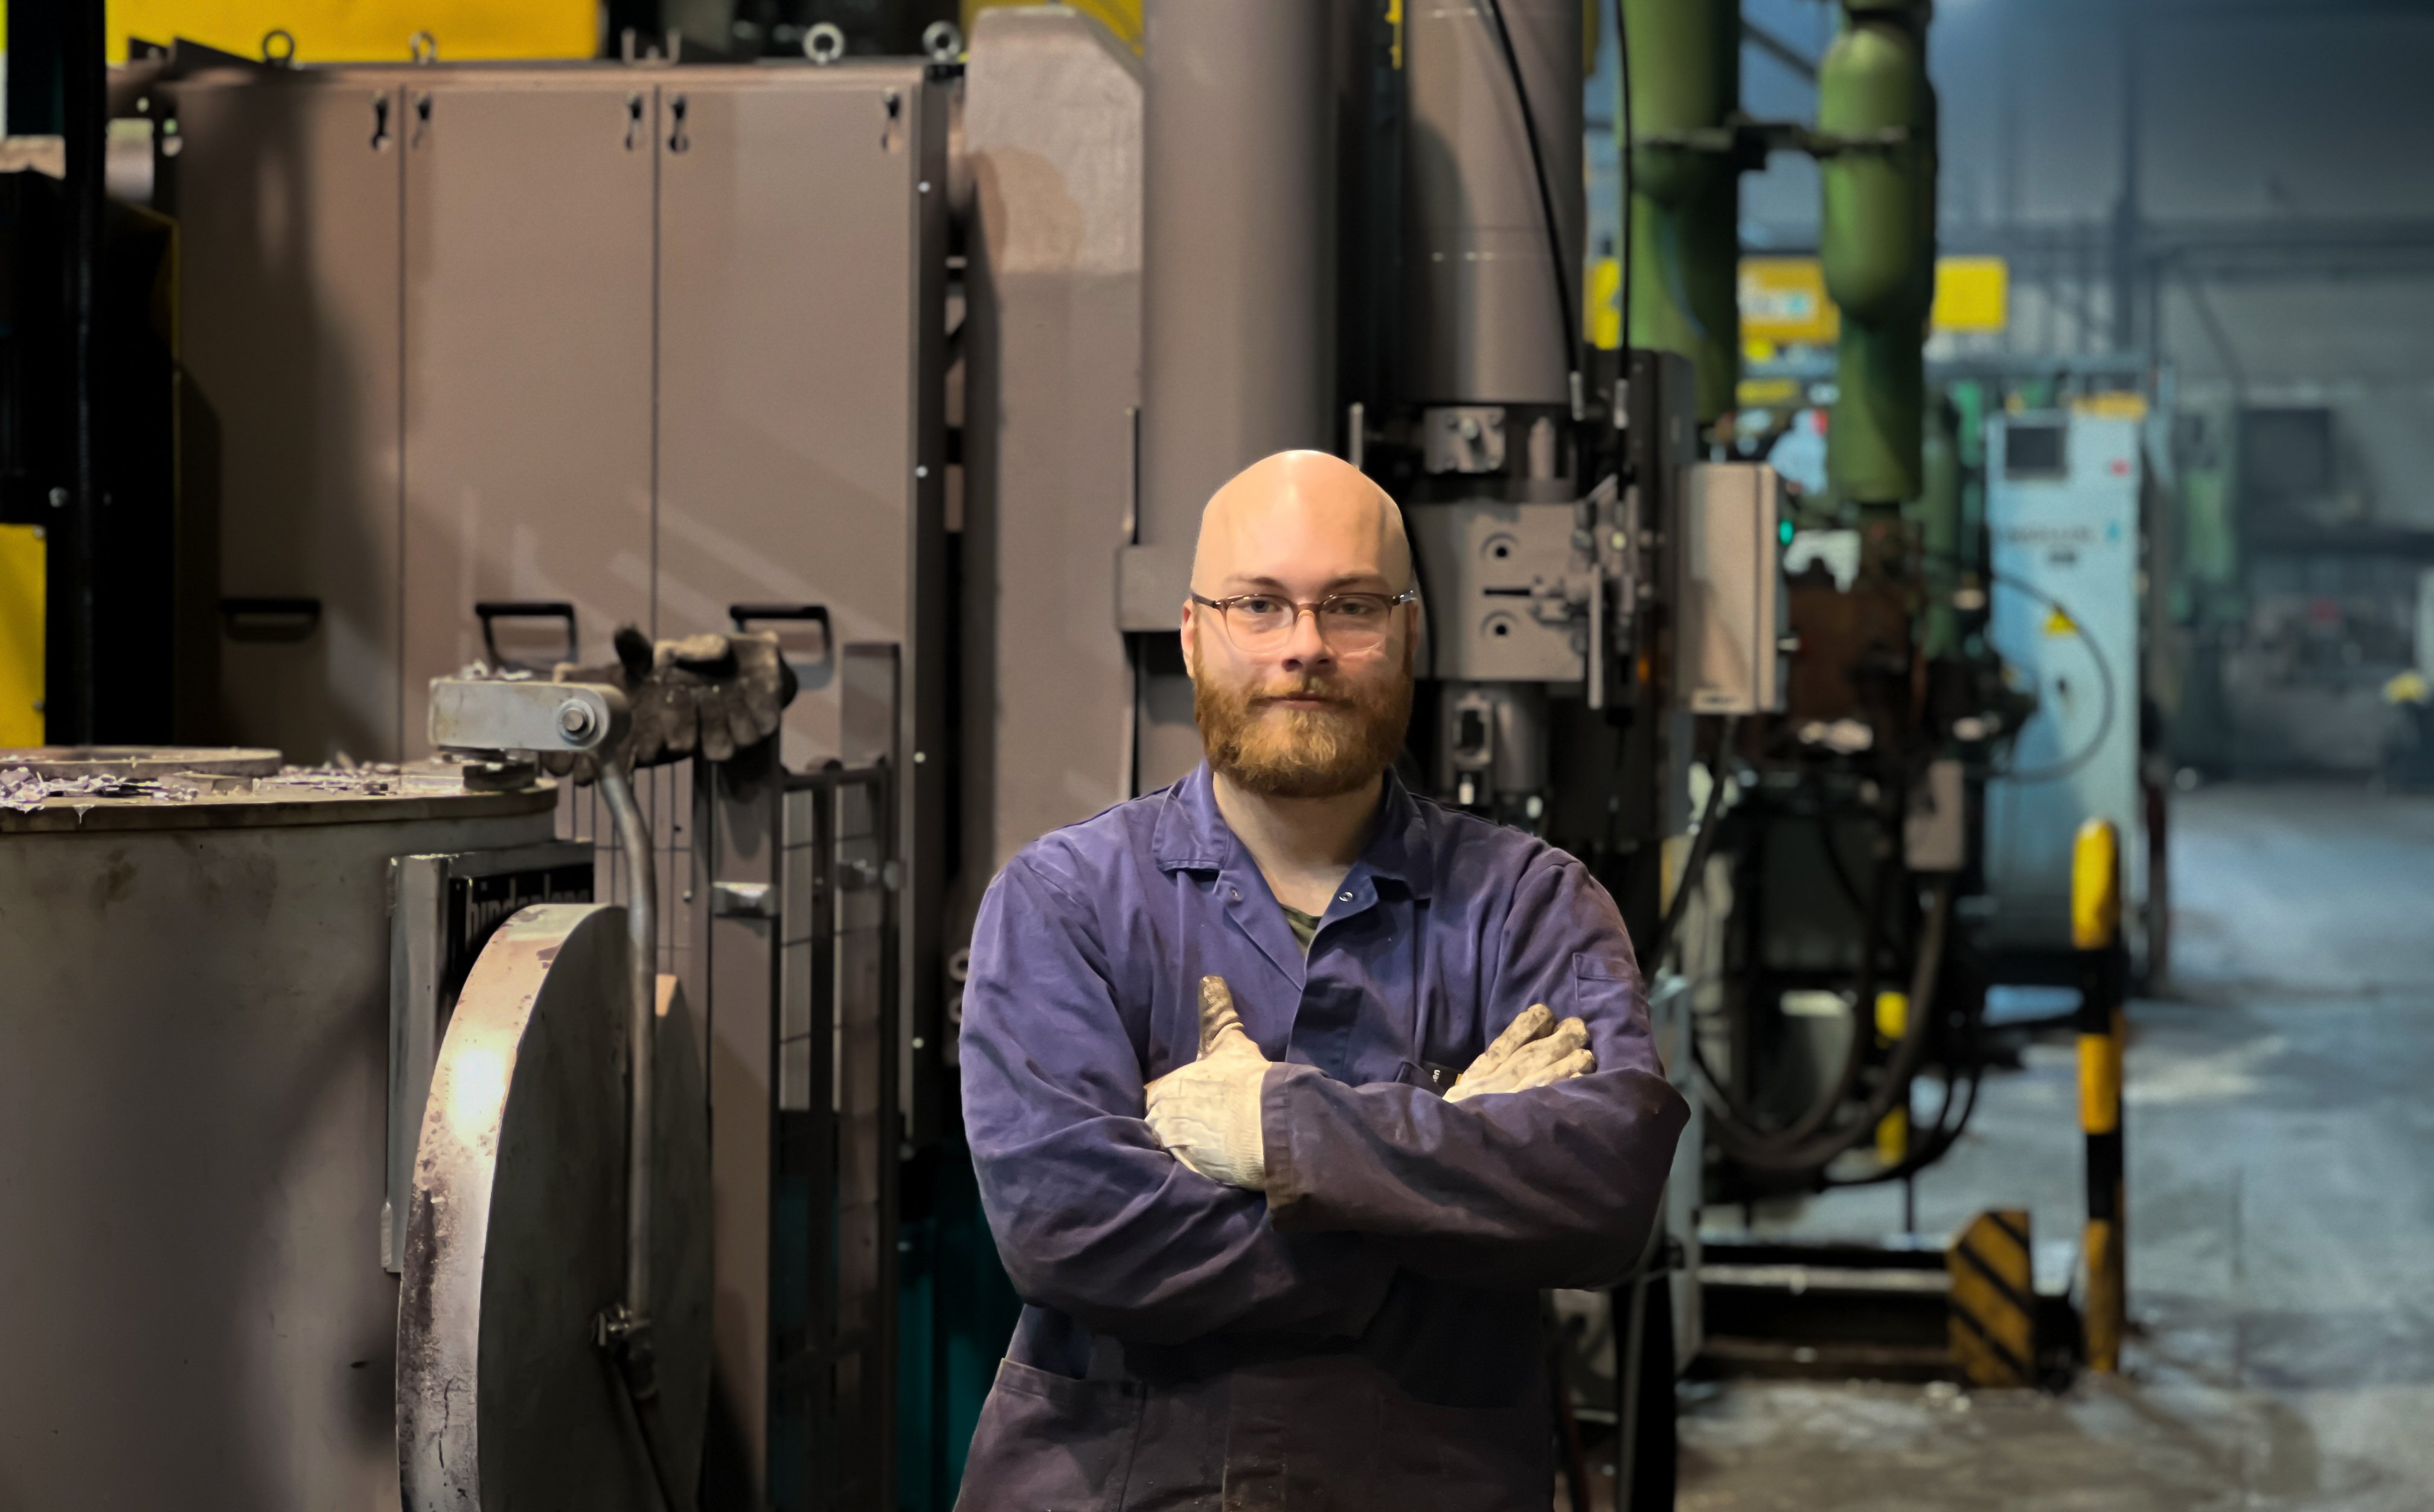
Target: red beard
x=1320, y=752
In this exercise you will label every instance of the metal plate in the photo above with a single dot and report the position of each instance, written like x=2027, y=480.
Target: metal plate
x=141, y=761
x=514, y=1244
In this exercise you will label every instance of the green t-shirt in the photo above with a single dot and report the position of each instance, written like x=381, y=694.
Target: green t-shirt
x=1305, y=927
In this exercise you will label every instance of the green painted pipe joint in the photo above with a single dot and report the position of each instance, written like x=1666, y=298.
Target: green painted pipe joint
x=1876, y=112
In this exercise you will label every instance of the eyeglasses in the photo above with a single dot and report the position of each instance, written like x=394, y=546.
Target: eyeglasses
x=1346, y=622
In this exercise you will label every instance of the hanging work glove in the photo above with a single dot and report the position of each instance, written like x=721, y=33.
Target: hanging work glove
x=710, y=694
x=1533, y=1051
x=1208, y=1112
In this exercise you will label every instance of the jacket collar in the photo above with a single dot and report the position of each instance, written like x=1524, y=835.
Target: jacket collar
x=1191, y=836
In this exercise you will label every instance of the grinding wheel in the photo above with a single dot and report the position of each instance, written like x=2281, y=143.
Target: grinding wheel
x=516, y=1239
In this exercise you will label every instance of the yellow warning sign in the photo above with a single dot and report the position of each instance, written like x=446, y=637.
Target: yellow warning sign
x=1971, y=293
x=1994, y=1320
x=1783, y=299
x=2059, y=623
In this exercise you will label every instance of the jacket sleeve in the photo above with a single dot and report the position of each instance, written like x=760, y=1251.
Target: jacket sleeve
x=1092, y=1216
x=1557, y=1186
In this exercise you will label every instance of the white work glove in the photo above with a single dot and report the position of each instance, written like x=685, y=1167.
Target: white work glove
x=1208, y=1112
x=1533, y=1051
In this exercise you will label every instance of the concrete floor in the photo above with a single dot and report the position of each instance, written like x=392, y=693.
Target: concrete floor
x=2281, y=1138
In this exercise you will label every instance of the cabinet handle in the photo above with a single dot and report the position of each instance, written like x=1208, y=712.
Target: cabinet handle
x=271, y=618
x=747, y=616
x=492, y=611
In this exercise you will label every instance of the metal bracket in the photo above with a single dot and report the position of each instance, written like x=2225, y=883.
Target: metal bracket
x=474, y=714
x=1464, y=439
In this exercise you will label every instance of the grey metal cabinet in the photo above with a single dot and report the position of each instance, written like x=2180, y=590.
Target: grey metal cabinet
x=528, y=312
x=799, y=329
x=287, y=192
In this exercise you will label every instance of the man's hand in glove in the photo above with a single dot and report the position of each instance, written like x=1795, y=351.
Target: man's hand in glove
x=1208, y=1112
x=710, y=694
x=1533, y=1051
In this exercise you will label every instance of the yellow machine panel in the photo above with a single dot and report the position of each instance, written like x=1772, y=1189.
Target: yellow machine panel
x=329, y=31
x=24, y=562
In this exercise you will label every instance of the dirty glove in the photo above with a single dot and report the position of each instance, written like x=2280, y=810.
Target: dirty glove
x=1533, y=1051
x=1208, y=1113
x=710, y=694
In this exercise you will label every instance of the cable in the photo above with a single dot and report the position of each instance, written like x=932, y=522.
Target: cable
x=1557, y=263
x=1908, y=1053
x=1695, y=864
x=2103, y=675
x=1622, y=164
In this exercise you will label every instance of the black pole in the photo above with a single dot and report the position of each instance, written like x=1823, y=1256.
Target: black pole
x=34, y=67
x=84, y=122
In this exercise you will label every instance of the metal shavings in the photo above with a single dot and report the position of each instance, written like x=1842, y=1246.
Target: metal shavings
x=24, y=790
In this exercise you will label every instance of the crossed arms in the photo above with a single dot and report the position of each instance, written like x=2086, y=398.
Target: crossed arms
x=1095, y=1217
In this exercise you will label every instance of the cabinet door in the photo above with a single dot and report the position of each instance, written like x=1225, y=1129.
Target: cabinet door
x=797, y=320
x=528, y=415
x=287, y=197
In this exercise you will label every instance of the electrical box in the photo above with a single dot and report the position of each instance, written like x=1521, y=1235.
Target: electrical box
x=1731, y=628
x=2061, y=509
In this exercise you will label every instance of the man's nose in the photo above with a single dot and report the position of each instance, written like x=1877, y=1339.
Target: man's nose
x=1304, y=647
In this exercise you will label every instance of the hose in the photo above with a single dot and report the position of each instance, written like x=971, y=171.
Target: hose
x=1701, y=846
x=1762, y=1155
x=629, y=1328
x=2106, y=714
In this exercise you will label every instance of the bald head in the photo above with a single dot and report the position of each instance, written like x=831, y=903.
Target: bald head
x=1305, y=523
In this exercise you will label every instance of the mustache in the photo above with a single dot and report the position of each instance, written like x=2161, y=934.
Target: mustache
x=1321, y=689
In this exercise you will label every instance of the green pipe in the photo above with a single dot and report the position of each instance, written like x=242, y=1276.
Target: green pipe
x=1684, y=91
x=1876, y=241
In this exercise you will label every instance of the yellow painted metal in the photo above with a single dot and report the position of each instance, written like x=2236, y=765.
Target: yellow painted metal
x=1994, y=1327
x=2119, y=405
x=1784, y=299
x=1601, y=313
x=2095, y=886
x=1892, y=1014
x=1767, y=393
x=1971, y=293
x=24, y=559
x=1892, y=1136
x=2100, y=1083
x=330, y=31
x=1122, y=17
x=2102, y=1246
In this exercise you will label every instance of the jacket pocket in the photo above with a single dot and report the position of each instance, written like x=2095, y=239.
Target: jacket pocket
x=1468, y=1459
x=1051, y=1443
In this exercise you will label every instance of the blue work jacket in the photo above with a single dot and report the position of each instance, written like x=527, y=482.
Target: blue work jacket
x=1367, y=1333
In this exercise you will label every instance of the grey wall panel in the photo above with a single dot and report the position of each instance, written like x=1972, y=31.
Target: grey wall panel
x=528, y=326
x=287, y=194
x=1052, y=128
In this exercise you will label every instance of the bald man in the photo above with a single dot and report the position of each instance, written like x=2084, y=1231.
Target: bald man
x=1288, y=1090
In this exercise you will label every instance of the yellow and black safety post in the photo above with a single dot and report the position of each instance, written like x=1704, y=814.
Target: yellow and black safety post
x=2104, y=982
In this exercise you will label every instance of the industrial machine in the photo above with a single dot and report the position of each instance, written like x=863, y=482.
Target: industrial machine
x=196, y=1105
x=927, y=365
x=2063, y=508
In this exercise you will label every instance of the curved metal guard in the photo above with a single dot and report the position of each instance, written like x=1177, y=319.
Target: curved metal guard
x=515, y=1244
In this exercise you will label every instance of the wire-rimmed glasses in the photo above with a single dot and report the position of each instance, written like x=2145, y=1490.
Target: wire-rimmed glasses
x=1346, y=622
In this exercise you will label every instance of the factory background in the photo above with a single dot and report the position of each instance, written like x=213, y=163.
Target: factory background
x=2009, y=748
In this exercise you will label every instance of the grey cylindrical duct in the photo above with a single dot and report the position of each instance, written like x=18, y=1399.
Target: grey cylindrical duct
x=1239, y=234
x=1482, y=320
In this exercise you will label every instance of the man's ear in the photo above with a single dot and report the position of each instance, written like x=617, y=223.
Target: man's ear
x=1190, y=644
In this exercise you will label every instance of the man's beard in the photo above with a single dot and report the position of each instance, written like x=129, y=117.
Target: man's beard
x=1318, y=752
